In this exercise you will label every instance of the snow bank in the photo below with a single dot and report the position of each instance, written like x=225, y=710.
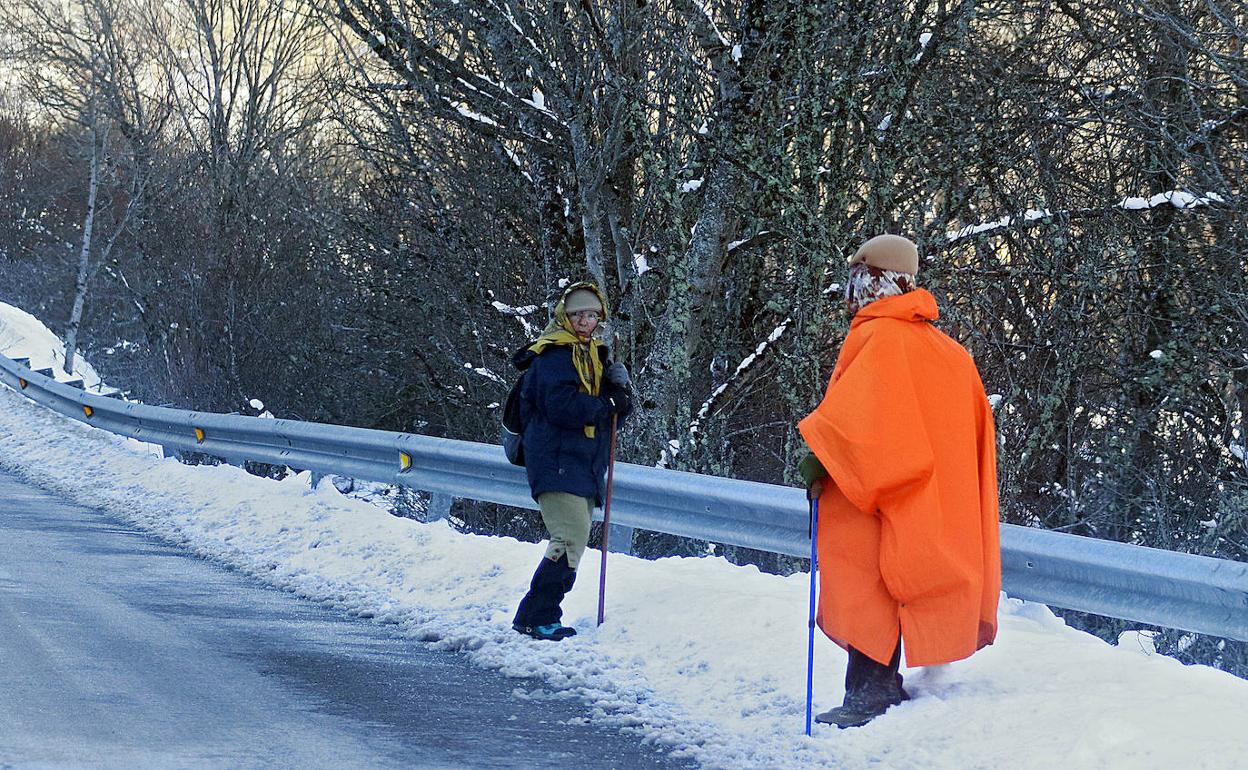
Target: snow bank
x=23, y=335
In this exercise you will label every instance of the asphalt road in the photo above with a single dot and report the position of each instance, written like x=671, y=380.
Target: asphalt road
x=120, y=651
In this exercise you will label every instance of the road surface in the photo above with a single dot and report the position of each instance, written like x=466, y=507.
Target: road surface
x=120, y=651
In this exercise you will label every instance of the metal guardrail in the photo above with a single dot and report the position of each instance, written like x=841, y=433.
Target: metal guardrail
x=1145, y=585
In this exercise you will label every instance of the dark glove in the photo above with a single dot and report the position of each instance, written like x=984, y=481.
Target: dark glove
x=617, y=375
x=813, y=475
x=617, y=400
x=811, y=469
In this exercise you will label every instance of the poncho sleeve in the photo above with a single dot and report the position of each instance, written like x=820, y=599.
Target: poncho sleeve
x=868, y=431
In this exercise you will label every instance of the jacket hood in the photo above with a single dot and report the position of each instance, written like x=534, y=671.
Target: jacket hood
x=523, y=358
x=917, y=305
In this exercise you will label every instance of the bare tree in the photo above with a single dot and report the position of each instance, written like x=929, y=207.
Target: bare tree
x=86, y=64
x=248, y=105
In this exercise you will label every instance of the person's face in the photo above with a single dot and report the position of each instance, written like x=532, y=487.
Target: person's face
x=584, y=322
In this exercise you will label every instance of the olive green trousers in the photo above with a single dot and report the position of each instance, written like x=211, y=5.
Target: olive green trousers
x=566, y=517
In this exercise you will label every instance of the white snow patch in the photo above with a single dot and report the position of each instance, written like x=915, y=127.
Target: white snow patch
x=1027, y=216
x=514, y=311
x=463, y=109
x=486, y=373
x=520, y=314
x=24, y=336
x=705, y=8
x=1179, y=199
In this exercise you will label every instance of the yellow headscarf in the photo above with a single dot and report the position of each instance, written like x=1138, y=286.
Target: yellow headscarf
x=585, y=355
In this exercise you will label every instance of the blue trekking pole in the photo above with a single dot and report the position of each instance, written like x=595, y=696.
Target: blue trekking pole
x=810, y=639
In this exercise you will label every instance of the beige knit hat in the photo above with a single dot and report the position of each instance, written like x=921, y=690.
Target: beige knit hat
x=581, y=299
x=889, y=252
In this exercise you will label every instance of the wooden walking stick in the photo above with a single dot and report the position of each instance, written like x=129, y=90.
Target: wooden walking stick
x=606, y=523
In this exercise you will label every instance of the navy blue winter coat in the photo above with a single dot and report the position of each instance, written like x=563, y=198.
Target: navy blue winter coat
x=557, y=454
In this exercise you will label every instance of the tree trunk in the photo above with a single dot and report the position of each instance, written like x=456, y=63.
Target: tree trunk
x=588, y=165
x=84, y=256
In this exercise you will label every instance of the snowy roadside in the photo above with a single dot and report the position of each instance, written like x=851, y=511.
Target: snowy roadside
x=697, y=655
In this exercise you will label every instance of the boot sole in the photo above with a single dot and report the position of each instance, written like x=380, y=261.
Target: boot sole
x=532, y=632
x=844, y=719
x=844, y=724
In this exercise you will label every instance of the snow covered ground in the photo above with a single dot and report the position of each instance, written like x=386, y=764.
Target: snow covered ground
x=697, y=655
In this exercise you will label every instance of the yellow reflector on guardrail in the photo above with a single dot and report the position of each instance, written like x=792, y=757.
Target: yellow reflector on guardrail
x=22, y=382
x=199, y=435
x=405, y=461
x=88, y=411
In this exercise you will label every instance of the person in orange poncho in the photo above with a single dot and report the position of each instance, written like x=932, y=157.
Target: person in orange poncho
x=903, y=464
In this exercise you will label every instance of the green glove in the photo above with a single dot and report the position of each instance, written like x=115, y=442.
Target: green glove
x=811, y=469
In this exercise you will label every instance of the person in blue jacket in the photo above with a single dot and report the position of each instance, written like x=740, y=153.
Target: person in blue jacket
x=570, y=392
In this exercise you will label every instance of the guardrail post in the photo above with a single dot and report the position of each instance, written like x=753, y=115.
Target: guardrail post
x=315, y=479
x=438, y=507
x=620, y=539
x=167, y=452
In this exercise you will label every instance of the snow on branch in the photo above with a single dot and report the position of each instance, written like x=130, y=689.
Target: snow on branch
x=520, y=314
x=428, y=70
x=761, y=238
x=537, y=102
x=1031, y=215
x=1180, y=199
x=924, y=40
x=1177, y=199
x=515, y=160
x=523, y=310
x=462, y=109
x=540, y=57
x=486, y=373
x=695, y=427
x=706, y=14
x=706, y=31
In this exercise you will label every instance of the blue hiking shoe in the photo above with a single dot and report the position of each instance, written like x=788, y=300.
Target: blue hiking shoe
x=552, y=632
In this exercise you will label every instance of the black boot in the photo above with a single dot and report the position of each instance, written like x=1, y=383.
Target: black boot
x=870, y=689
x=539, y=612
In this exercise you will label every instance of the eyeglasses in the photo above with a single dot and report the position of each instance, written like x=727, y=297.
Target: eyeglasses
x=586, y=315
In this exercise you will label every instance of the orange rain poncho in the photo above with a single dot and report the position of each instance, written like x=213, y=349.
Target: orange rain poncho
x=908, y=536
